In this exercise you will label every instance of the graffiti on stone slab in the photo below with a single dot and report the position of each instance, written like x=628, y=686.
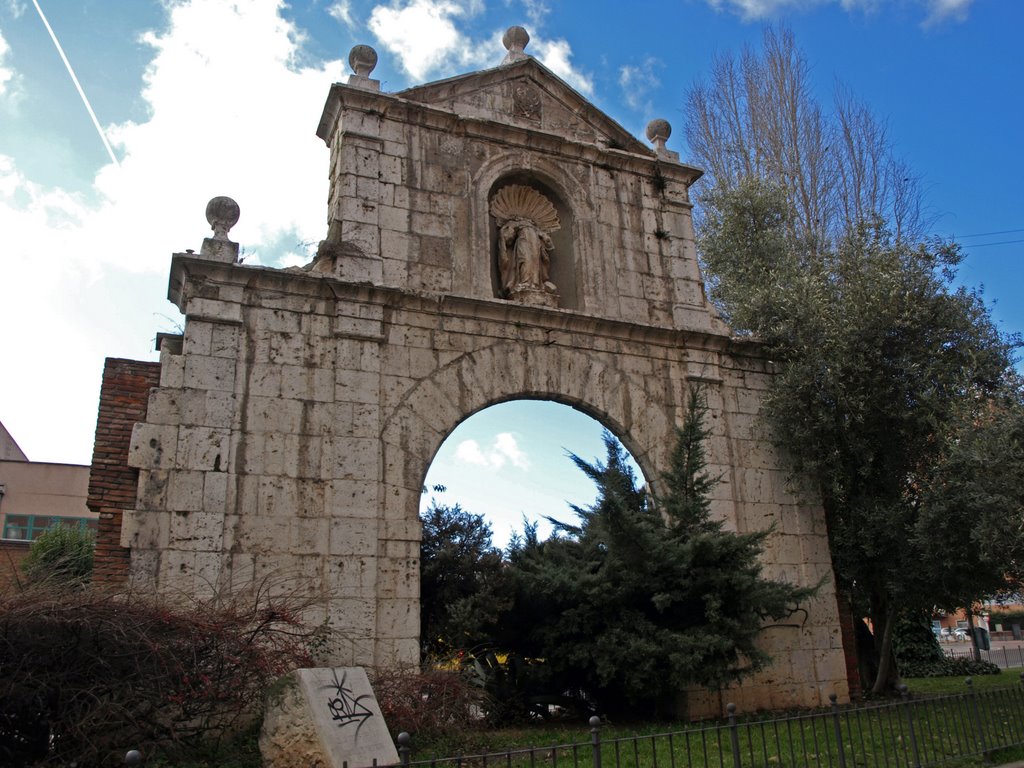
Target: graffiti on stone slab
x=345, y=708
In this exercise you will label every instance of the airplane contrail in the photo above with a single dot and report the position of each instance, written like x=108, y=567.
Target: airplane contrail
x=78, y=85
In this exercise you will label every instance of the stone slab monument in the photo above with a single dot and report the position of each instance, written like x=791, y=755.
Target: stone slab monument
x=490, y=236
x=325, y=718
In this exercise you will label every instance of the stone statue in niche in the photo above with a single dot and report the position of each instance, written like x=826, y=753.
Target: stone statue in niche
x=525, y=220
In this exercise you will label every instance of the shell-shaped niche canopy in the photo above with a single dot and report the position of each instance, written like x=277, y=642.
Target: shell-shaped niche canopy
x=520, y=202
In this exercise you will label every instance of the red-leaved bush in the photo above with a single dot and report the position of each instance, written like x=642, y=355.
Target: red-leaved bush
x=87, y=673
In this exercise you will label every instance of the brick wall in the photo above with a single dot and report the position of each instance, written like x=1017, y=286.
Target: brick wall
x=124, y=395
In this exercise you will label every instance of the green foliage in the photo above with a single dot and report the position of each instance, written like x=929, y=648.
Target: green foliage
x=514, y=688
x=883, y=365
x=626, y=611
x=973, y=496
x=959, y=667
x=463, y=582
x=915, y=643
x=1007, y=618
x=62, y=553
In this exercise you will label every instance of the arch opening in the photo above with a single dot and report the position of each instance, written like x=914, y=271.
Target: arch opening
x=509, y=462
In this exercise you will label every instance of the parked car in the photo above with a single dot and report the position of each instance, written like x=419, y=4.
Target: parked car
x=960, y=634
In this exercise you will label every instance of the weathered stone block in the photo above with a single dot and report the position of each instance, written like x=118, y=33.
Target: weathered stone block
x=324, y=718
x=197, y=337
x=214, y=311
x=204, y=448
x=185, y=491
x=211, y=373
x=153, y=446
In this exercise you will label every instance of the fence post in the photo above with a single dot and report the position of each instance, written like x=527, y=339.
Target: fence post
x=404, y=748
x=134, y=758
x=595, y=739
x=734, y=734
x=979, y=725
x=838, y=729
x=908, y=707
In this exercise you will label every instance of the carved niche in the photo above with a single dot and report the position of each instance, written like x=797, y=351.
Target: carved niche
x=525, y=219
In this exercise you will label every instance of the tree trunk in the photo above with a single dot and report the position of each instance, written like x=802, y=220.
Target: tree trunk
x=888, y=675
x=867, y=654
x=975, y=650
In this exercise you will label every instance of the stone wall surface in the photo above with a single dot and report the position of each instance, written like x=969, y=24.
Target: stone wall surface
x=292, y=429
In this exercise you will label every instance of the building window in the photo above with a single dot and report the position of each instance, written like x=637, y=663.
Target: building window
x=31, y=527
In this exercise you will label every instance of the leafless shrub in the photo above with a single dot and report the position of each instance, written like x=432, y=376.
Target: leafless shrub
x=86, y=673
x=428, y=703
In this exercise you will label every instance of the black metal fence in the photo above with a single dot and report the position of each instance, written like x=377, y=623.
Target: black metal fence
x=917, y=732
x=1004, y=656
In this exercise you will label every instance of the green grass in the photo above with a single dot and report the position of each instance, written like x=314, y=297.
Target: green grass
x=874, y=736
x=944, y=730
x=942, y=685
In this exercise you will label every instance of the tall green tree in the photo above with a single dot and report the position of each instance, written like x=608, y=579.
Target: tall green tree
x=880, y=360
x=972, y=505
x=463, y=582
x=639, y=600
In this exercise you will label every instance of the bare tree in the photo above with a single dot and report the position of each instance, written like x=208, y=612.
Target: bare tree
x=757, y=116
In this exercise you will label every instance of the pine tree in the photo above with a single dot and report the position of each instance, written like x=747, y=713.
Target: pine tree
x=641, y=600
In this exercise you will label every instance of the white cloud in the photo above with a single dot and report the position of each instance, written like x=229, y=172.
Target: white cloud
x=7, y=74
x=937, y=10
x=759, y=9
x=503, y=450
x=866, y=6
x=423, y=36
x=556, y=55
x=637, y=83
x=342, y=11
x=225, y=98
x=946, y=10
x=230, y=112
x=505, y=445
x=536, y=10
x=468, y=451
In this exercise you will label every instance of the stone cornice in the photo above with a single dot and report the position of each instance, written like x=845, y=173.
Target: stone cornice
x=186, y=267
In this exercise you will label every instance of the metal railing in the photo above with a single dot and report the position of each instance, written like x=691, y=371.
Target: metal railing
x=917, y=732
x=1003, y=656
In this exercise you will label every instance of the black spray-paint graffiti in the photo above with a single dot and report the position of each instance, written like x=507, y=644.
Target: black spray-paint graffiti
x=345, y=708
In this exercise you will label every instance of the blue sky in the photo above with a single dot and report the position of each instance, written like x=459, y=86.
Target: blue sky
x=205, y=97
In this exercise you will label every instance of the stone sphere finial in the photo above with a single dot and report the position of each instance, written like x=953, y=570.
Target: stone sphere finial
x=658, y=130
x=362, y=59
x=222, y=213
x=515, y=40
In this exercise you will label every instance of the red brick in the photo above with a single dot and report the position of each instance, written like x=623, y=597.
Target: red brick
x=124, y=396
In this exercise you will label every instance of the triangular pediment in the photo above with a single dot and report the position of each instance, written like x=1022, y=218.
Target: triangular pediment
x=529, y=95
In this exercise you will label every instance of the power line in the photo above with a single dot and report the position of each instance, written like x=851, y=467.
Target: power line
x=74, y=79
x=988, y=234
x=1004, y=242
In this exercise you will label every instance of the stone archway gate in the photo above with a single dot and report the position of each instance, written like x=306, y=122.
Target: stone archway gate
x=295, y=420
